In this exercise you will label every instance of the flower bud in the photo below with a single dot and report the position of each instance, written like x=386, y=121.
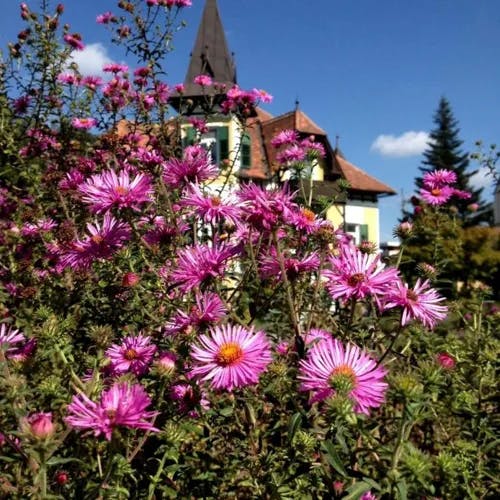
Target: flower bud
x=61, y=477
x=166, y=363
x=447, y=361
x=129, y=280
x=40, y=425
x=404, y=230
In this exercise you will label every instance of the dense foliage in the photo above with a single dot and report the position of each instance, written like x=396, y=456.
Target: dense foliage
x=444, y=152
x=169, y=333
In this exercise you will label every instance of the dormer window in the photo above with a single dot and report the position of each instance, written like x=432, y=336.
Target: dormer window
x=215, y=140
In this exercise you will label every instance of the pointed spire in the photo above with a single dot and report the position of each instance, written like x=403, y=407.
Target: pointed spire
x=211, y=55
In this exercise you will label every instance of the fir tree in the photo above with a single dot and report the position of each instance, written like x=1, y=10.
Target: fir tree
x=444, y=153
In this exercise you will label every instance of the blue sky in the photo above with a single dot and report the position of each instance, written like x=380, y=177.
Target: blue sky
x=360, y=69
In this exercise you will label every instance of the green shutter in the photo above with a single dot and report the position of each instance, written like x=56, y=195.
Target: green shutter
x=363, y=232
x=246, y=148
x=223, y=140
x=190, y=137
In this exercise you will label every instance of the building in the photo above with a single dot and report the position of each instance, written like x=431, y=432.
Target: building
x=247, y=146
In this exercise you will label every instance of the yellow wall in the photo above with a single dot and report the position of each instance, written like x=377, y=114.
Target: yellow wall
x=356, y=214
x=371, y=218
x=335, y=214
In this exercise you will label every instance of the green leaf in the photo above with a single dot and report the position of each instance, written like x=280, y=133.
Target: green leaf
x=402, y=489
x=333, y=458
x=294, y=424
x=60, y=460
x=356, y=490
x=225, y=412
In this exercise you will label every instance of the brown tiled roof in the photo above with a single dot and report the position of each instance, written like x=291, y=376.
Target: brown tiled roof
x=360, y=180
x=293, y=120
x=264, y=127
x=258, y=153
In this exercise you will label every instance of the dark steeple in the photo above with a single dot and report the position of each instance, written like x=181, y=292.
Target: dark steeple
x=210, y=56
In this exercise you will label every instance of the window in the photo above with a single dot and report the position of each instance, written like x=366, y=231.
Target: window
x=358, y=231
x=209, y=141
x=246, y=158
x=189, y=138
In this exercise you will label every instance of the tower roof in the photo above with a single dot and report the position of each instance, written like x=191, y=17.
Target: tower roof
x=210, y=55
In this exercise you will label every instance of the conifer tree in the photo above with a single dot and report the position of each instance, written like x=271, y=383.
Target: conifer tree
x=444, y=152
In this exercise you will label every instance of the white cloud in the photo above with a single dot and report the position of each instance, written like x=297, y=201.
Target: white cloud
x=409, y=143
x=91, y=59
x=482, y=179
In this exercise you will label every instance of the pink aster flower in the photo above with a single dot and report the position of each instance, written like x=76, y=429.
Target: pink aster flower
x=265, y=208
x=306, y=220
x=72, y=180
x=180, y=88
x=91, y=82
x=211, y=209
x=123, y=405
x=189, y=399
x=195, y=167
x=105, y=18
x=107, y=190
x=313, y=148
x=40, y=226
x=463, y=195
x=354, y=274
x=270, y=265
x=209, y=309
x=292, y=154
x=84, y=123
x=285, y=138
x=199, y=124
x=21, y=104
x=164, y=233
x=330, y=369
x=9, y=340
x=115, y=68
x=203, y=80
x=23, y=352
x=231, y=356
x=421, y=303
x=133, y=355
x=74, y=41
x=439, y=178
x=437, y=196
x=199, y=264
x=262, y=96
x=68, y=78
x=101, y=243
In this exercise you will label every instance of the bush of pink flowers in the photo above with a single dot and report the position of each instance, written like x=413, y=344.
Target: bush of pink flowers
x=161, y=337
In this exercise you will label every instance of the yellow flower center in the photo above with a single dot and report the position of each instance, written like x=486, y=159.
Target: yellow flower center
x=436, y=192
x=356, y=279
x=121, y=191
x=111, y=414
x=343, y=379
x=97, y=238
x=130, y=354
x=308, y=214
x=229, y=354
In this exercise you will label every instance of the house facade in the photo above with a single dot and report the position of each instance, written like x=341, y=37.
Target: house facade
x=246, y=146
